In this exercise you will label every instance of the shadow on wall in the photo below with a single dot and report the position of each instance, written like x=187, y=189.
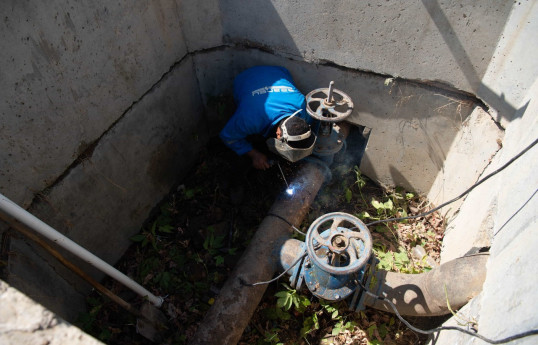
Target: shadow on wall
x=262, y=24
x=257, y=23
x=237, y=19
x=472, y=74
x=413, y=124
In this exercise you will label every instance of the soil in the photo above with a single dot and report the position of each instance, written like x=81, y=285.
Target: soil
x=194, y=237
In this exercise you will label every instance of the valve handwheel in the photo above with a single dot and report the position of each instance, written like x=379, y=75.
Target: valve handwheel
x=328, y=104
x=338, y=243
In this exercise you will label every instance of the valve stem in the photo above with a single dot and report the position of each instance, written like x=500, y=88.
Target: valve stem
x=330, y=93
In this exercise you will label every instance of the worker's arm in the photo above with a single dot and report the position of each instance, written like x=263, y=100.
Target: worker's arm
x=259, y=160
x=241, y=125
x=237, y=129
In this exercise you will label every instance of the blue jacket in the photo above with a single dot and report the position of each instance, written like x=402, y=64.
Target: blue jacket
x=264, y=95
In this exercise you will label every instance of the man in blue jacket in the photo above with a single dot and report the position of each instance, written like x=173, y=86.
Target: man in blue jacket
x=268, y=104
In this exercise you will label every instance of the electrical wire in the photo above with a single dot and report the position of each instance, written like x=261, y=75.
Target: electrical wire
x=390, y=303
x=277, y=277
x=479, y=182
x=447, y=328
x=286, y=221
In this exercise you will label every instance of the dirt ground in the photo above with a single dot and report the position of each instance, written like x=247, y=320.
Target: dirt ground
x=193, y=239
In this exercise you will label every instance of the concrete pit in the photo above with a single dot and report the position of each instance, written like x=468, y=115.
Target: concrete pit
x=106, y=108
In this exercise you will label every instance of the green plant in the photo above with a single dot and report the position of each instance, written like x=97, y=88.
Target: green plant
x=161, y=224
x=147, y=237
x=277, y=313
x=89, y=321
x=398, y=261
x=213, y=244
x=290, y=297
x=271, y=337
x=310, y=323
x=149, y=265
x=360, y=181
x=341, y=323
x=342, y=326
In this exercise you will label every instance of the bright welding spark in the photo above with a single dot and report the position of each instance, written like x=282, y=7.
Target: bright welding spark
x=290, y=191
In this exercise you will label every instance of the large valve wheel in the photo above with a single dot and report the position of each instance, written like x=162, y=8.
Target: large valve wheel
x=328, y=104
x=338, y=243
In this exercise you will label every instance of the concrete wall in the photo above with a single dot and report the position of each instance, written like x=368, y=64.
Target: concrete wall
x=448, y=45
x=501, y=213
x=104, y=200
x=68, y=73
x=434, y=140
x=450, y=41
x=100, y=116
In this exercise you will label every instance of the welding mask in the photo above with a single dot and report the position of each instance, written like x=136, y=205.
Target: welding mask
x=292, y=147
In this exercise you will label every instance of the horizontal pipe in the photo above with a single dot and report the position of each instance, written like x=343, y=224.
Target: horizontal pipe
x=13, y=214
x=417, y=294
x=227, y=318
x=453, y=283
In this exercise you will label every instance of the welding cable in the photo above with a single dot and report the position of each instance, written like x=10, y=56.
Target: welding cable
x=286, y=221
x=277, y=277
x=447, y=328
x=462, y=194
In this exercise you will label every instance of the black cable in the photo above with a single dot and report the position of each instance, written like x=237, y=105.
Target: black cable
x=286, y=221
x=277, y=277
x=462, y=194
x=446, y=328
x=411, y=327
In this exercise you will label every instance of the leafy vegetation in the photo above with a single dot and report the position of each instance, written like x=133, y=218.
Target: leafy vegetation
x=194, y=238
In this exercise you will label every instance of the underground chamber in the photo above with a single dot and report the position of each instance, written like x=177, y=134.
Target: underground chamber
x=335, y=261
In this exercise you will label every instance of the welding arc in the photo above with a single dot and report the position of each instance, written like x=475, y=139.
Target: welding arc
x=462, y=194
x=284, y=177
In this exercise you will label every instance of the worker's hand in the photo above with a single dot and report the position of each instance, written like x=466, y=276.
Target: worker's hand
x=259, y=160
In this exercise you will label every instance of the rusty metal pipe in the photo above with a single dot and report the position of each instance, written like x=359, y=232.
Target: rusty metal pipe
x=227, y=318
x=424, y=294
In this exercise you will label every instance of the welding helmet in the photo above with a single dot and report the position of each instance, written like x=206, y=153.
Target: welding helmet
x=295, y=146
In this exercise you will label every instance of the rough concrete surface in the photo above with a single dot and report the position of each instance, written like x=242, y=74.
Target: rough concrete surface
x=478, y=141
x=68, y=72
x=201, y=23
x=24, y=322
x=135, y=164
x=513, y=68
x=509, y=296
x=449, y=41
